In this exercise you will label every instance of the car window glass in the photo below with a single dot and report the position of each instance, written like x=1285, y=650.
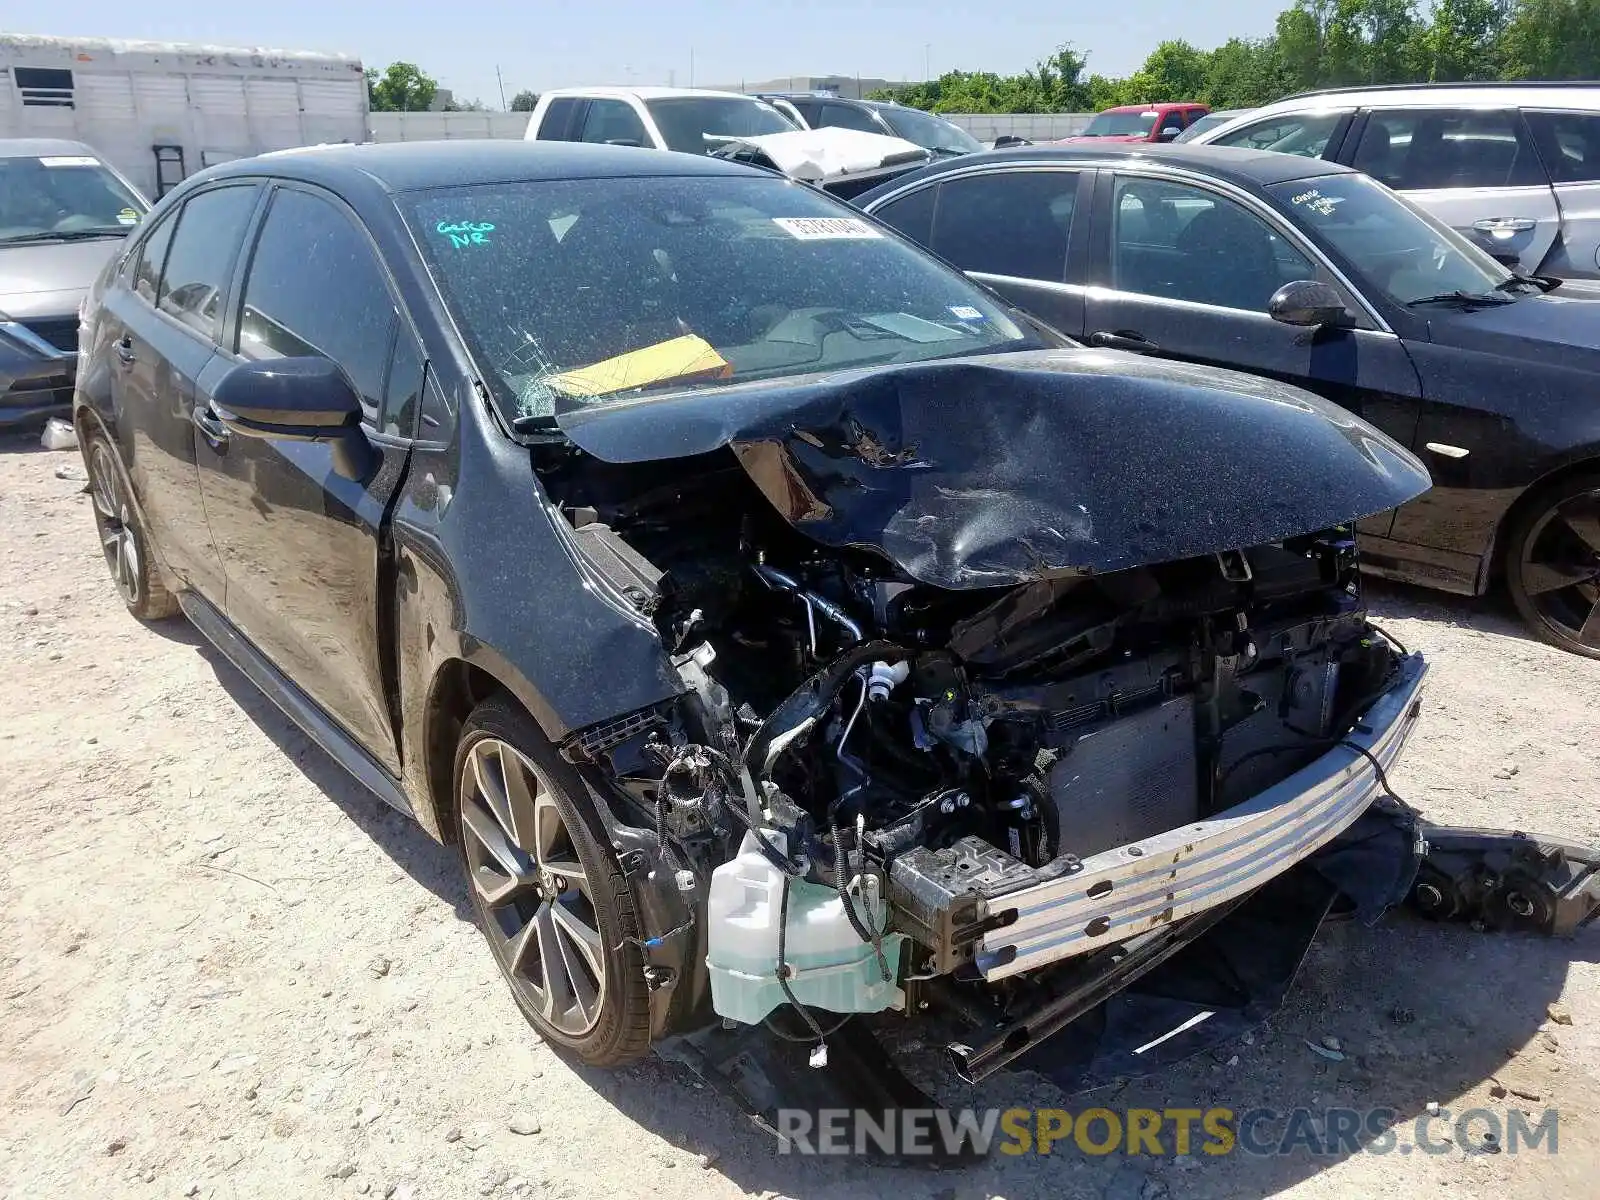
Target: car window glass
x=556, y=124
x=1305, y=134
x=63, y=193
x=200, y=259
x=403, y=392
x=613, y=121
x=1411, y=149
x=1393, y=245
x=1185, y=243
x=912, y=214
x=152, y=254
x=1015, y=223
x=315, y=288
x=1569, y=143
x=843, y=116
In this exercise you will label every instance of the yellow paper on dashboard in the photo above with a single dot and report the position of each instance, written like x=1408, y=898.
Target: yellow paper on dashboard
x=684, y=358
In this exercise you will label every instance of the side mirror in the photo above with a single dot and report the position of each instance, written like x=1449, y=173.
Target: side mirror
x=1168, y=132
x=1307, y=302
x=296, y=400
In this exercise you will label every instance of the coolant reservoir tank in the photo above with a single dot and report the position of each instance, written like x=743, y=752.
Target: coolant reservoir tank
x=831, y=967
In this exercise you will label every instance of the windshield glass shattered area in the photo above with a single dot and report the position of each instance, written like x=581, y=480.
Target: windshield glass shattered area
x=1120, y=124
x=1401, y=250
x=64, y=195
x=697, y=124
x=588, y=289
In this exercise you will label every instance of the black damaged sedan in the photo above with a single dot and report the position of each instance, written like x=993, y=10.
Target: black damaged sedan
x=783, y=628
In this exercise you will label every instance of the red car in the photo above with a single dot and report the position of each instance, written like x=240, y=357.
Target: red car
x=1141, y=123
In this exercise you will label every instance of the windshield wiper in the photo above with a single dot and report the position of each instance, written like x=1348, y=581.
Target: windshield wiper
x=67, y=235
x=1543, y=282
x=1466, y=299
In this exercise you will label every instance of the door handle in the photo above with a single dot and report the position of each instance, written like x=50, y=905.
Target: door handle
x=1504, y=227
x=207, y=423
x=125, y=349
x=1124, y=339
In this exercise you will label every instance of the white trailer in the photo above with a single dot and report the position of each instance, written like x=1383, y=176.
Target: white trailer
x=161, y=110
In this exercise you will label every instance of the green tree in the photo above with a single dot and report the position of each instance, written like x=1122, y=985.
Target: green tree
x=525, y=102
x=1460, y=40
x=1552, y=39
x=1242, y=73
x=403, y=87
x=1174, y=71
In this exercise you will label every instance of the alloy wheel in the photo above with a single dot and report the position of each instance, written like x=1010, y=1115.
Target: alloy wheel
x=1560, y=568
x=114, y=520
x=532, y=893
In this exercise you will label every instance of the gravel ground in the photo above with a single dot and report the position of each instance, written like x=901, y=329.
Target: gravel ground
x=227, y=971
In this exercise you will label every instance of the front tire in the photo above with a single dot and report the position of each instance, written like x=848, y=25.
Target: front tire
x=547, y=889
x=1553, y=565
x=122, y=538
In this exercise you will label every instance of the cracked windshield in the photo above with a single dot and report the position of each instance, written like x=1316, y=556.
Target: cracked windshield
x=600, y=288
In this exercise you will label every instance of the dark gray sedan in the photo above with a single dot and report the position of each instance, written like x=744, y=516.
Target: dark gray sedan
x=1317, y=275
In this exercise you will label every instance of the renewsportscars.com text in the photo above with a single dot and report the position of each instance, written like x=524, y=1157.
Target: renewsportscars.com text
x=1211, y=1132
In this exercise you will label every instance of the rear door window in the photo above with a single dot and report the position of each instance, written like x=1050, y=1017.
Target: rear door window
x=342, y=309
x=1433, y=149
x=559, y=119
x=152, y=256
x=202, y=253
x=1569, y=144
x=1013, y=223
x=912, y=214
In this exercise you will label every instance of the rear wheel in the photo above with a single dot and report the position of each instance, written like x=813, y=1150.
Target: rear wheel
x=1553, y=565
x=122, y=537
x=547, y=889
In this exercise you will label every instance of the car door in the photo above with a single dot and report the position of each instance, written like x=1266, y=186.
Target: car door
x=1569, y=147
x=162, y=329
x=1475, y=169
x=1185, y=269
x=1010, y=229
x=298, y=540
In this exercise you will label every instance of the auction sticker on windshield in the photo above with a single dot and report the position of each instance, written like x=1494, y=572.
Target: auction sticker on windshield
x=826, y=229
x=69, y=160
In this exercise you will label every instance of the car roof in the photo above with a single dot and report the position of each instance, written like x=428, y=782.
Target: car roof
x=42, y=147
x=645, y=93
x=410, y=166
x=1252, y=168
x=1583, y=95
x=1152, y=107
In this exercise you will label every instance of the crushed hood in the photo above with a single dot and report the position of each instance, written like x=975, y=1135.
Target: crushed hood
x=814, y=155
x=1000, y=469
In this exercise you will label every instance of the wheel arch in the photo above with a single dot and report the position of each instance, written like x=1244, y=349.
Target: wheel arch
x=457, y=687
x=87, y=421
x=1494, y=560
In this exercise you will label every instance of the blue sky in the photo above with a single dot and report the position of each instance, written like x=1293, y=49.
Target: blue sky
x=539, y=45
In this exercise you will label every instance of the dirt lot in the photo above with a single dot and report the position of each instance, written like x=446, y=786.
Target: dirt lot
x=226, y=971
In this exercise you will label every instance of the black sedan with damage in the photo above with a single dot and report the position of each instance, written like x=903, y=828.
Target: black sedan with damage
x=784, y=629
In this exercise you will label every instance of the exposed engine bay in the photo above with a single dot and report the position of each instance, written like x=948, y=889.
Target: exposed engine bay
x=859, y=755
